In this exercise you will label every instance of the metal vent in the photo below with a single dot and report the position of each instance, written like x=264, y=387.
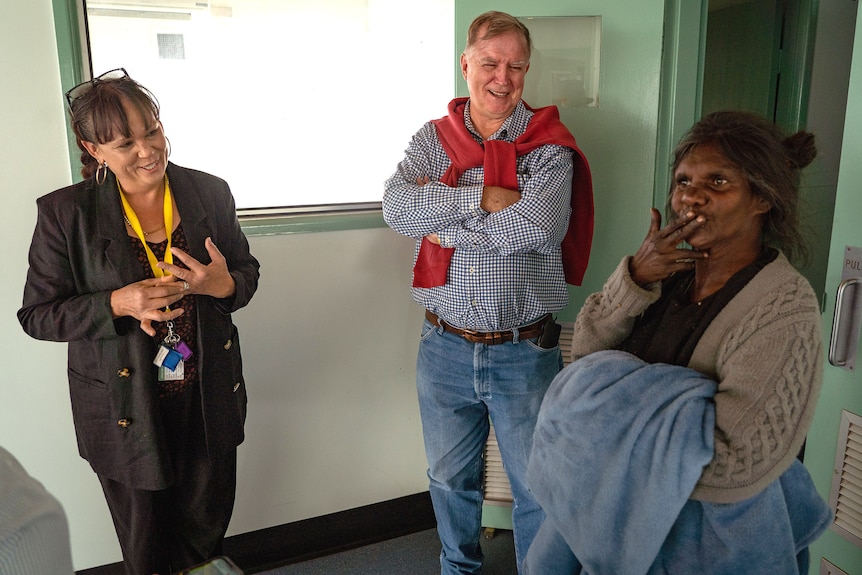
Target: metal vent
x=497, y=488
x=845, y=498
x=567, y=333
x=147, y=14
x=171, y=46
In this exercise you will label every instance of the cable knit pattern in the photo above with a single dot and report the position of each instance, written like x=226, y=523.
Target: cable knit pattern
x=764, y=349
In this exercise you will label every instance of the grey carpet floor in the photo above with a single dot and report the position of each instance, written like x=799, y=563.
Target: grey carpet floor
x=415, y=554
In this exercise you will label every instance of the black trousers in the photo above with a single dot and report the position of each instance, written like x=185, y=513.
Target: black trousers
x=161, y=532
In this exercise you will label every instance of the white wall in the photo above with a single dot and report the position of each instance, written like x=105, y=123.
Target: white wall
x=329, y=342
x=329, y=351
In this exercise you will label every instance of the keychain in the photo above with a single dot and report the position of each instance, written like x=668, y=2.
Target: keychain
x=171, y=356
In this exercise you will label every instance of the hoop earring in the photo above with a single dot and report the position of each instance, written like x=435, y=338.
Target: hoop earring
x=103, y=170
x=169, y=147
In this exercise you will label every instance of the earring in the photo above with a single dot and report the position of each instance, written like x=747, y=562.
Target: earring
x=169, y=146
x=102, y=173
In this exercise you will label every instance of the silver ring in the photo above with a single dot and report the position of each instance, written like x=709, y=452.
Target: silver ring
x=185, y=285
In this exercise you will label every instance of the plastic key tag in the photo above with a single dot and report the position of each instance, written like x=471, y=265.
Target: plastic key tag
x=183, y=349
x=167, y=357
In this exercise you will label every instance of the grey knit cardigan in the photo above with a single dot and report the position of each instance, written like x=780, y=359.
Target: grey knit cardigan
x=765, y=351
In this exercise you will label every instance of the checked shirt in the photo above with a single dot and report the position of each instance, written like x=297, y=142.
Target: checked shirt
x=506, y=270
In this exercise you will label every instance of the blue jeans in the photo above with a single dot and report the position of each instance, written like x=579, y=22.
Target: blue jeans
x=461, y=385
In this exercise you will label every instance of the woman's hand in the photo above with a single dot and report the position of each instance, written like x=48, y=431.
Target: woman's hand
x=659, y=255
x=148, y=300
x=212, y=280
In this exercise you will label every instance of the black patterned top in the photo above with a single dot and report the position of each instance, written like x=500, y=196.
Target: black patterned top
x=185, y=325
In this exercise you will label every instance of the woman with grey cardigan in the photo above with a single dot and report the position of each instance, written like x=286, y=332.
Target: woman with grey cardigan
x=730, y=308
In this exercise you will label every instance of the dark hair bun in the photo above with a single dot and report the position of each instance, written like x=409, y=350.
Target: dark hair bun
x=800, y=148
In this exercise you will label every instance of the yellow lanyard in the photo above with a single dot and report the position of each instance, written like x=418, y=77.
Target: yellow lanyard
x=136, y=226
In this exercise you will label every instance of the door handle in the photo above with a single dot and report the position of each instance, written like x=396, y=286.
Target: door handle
x=852, y=332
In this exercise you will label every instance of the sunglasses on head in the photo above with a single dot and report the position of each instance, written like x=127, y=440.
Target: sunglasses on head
x=85, y=87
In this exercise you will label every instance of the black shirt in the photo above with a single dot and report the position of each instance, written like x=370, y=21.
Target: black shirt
x=668, y=331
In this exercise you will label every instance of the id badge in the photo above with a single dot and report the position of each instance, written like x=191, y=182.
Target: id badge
x=176, y=374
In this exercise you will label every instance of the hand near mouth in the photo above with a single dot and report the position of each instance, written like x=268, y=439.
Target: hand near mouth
x=660, y=256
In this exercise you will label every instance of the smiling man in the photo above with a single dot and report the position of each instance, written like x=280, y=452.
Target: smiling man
x=499, y=199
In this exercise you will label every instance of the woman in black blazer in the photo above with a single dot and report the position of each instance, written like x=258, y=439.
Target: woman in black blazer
x=138, y=268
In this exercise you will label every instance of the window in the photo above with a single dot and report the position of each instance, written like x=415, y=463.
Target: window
x=306, y=104
x=565, y=64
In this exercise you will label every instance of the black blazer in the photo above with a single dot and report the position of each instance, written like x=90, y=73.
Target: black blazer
x=80, y=253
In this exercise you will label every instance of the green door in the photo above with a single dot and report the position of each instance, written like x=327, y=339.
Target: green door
x=618, y=135
x=842, y=388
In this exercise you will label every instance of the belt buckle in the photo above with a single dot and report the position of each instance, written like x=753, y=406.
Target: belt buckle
x=495, y=337
x=486, y=337
x=472, y=336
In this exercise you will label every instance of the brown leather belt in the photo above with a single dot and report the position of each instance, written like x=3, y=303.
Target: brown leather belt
x=491, y=337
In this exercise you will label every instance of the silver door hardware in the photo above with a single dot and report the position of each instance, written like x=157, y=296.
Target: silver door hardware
x=846, y=322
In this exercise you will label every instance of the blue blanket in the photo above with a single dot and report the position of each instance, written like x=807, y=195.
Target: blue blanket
x=618, y=449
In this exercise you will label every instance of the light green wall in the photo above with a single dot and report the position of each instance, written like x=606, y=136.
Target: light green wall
x=70, y=59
